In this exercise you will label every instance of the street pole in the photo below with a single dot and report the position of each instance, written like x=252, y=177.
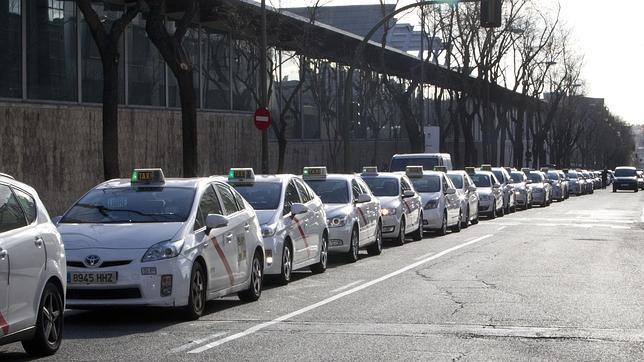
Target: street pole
x=263, y=91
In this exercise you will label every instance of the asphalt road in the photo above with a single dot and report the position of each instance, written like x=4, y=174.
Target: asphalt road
x=564, y=282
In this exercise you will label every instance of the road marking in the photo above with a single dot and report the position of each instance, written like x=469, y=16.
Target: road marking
x=347, y=286
x=285, y=317
x=197, y=342
x=642, y=218
x=424, y=256
x=501, y=228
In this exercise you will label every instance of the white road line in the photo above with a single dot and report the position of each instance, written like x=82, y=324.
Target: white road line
x=501, y=228
x=334, y=298
x=197, y=342
x=424, y=256
x=642, y=218
x=347, y=286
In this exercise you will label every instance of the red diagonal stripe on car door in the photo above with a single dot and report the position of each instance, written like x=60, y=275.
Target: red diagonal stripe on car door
x=299, y=228
x=4, y=326
x=215, y=243
x=364, y=219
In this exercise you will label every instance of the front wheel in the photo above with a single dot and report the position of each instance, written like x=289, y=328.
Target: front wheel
x=49, y=324
x=287, y=265
x=465, y=223
x=254, y=290
x=418, y=234
x=457, y=228
x=320, y=267
x=196, y=294
x=376, y=247
x=352, y=255
x=443, y=230
x=400, y=240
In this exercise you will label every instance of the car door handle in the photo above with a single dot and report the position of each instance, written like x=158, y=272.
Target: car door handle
x=228, y=237
x=39, y=242
x=247, y=226
x=3, y=254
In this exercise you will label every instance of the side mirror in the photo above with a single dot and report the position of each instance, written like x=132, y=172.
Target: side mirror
x=450, y=191
x=528, y=182
x=471, y=189
x=299, y=209
x=497, y=185
x=408, y=193
x=215, y=221
x=56, y=219
x=363, y=198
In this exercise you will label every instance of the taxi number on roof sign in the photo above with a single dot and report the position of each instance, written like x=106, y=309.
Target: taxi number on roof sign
x=315, y=171
x=413, y=171
x=440, y=169
x=146, y=176
x=470, y=170
x=239, y=173
x=486, y=167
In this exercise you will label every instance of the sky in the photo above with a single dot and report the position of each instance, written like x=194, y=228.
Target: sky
x=607, y=33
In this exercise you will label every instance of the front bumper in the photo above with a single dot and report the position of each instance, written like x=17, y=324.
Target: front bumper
x=131, y=287
x=432, y=219
x=340, y=239
x=486, y=206
x=521, y=198
x=625, y=185
x=539, y=197
x=390, y=226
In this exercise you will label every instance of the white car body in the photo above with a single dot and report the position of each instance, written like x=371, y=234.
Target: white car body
x=95, y=249
x=441, y=204
x=305, y=233
x=358, y=210
x=468, y=194
x=31, y=257
x=490, y=195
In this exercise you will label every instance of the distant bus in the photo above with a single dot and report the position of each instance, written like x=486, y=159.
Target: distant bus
x=427, y=160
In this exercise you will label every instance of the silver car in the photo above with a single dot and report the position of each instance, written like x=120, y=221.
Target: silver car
x=557, y=183
x=490, y=193
x=441, y=205
x=509, y=201
x=352, y=212
x=522, y=189
x=468, y=195
x=541, y=188
x=576, y=183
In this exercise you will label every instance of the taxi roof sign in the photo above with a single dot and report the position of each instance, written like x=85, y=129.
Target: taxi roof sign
x=314, y=172
x=545, y=169
x=370, y=170
x=440, y=169
x=486, y=167
x=147, y=177
x=414, y=171
x=470, y=170
x=509, y=169
x=526, y=170
x=241, y=175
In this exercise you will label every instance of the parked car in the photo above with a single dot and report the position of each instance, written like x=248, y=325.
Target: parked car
x=468, y=194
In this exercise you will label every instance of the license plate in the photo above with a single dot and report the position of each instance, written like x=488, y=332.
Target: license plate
x=93, y=278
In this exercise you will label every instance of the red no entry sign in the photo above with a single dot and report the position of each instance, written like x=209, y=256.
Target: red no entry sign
x=262, y=118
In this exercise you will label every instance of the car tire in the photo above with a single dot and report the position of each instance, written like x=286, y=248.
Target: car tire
x=287, y=265
x=475, y=221
x=443, y=230
x=417, y=235
x=376, y=247
x=465, y=224
x=196, y=293
x=493, y=213
x=354, y=249
x=49, y=324
x=502, y=212
x=400, y=240
x=320, y=266
x=254, y=290
x=457, y=228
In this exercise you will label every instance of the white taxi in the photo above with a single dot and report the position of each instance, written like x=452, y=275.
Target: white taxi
x=401, y=210
x=441, y=205
x=353, y=213
x=152, y=241
x=292, y=220
x=32, y=271
x=468, y=194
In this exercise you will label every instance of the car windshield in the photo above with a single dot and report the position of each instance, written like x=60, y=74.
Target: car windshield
x=130, y=205
x=427, y=183
x=553, y=176
x=625, y=172
x=383, y=186
x=481, y=180
x=457, y=180
x=400, y=164
x=261, y=195
x=517, y=177
x=535, y=177
x=499, y=175
x=572, y=175
x=331, y=191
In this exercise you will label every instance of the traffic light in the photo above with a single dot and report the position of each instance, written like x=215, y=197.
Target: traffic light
x=491, y=13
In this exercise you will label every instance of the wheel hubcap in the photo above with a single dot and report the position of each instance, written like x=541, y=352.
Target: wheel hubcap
x=354, y=244
x=52, y=318
x=197, y=290
x=257, y=276
x=323, y=254
x=287, y=263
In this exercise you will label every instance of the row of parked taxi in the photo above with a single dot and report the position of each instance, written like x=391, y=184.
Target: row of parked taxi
x=156, y=241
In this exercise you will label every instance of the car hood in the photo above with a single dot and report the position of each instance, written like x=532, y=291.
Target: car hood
x=333, y=210
x=266, y=217
x=426, y=196
x=118, y=236
x=484, y=190
x=389, y=201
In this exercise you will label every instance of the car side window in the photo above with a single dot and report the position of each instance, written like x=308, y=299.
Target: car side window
x=445, y=183
x=290, y=197
x=228, y=199
x=404, y=185
x=304, y=194
x=11, y=215
x=209, y=204
x=28, y=205
x=239, y=199
x=365, y=189
x=355, y=189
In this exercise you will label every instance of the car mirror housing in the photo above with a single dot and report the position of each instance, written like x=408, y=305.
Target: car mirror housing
x=450, y=191
x=299, y=209
x=408, y=193
x=363, y=198
x=216, y=221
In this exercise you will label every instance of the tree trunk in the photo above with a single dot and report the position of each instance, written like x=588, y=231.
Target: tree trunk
x=281, y=153
x=110, y=114
x=188, y=122
x=518, y=136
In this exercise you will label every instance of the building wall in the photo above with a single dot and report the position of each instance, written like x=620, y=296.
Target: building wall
x=57, y=148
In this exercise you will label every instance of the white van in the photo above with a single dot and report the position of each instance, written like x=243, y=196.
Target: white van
x=427, y=160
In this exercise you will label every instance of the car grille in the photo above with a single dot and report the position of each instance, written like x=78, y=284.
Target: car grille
x=106, y=264
x=88, y=294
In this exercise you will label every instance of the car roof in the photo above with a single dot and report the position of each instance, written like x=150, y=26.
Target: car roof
x=396, y=175
x=279, y=178
x=625, y=168
x=415, y=155
x=169, y=182
x=9, y=180
x=332, y=176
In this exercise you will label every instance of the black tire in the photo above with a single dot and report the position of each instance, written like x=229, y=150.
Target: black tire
x=320, y=267
x=465, y=224
x=287, y=265
x=475, y=221
x=443, y=230
x=502, y=212
x=614, y=190
x=457, y=228
x=376, y=247
x=354, y=248
x=400, y=240
x=417, y=235
x=493, y=213
x=196, y=294
x=254, y=290
x=49, y=324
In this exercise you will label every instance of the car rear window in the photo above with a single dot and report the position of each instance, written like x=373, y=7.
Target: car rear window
x=625, y=172
x=427, y=183
x=400, y=164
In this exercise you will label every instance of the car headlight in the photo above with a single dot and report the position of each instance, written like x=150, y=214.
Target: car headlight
x=163, y=250
x=431, y=204
x=268, y=231
x=337, y=221
x=387, y=211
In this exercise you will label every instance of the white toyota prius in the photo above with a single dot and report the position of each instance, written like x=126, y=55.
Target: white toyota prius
x=153, y=241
